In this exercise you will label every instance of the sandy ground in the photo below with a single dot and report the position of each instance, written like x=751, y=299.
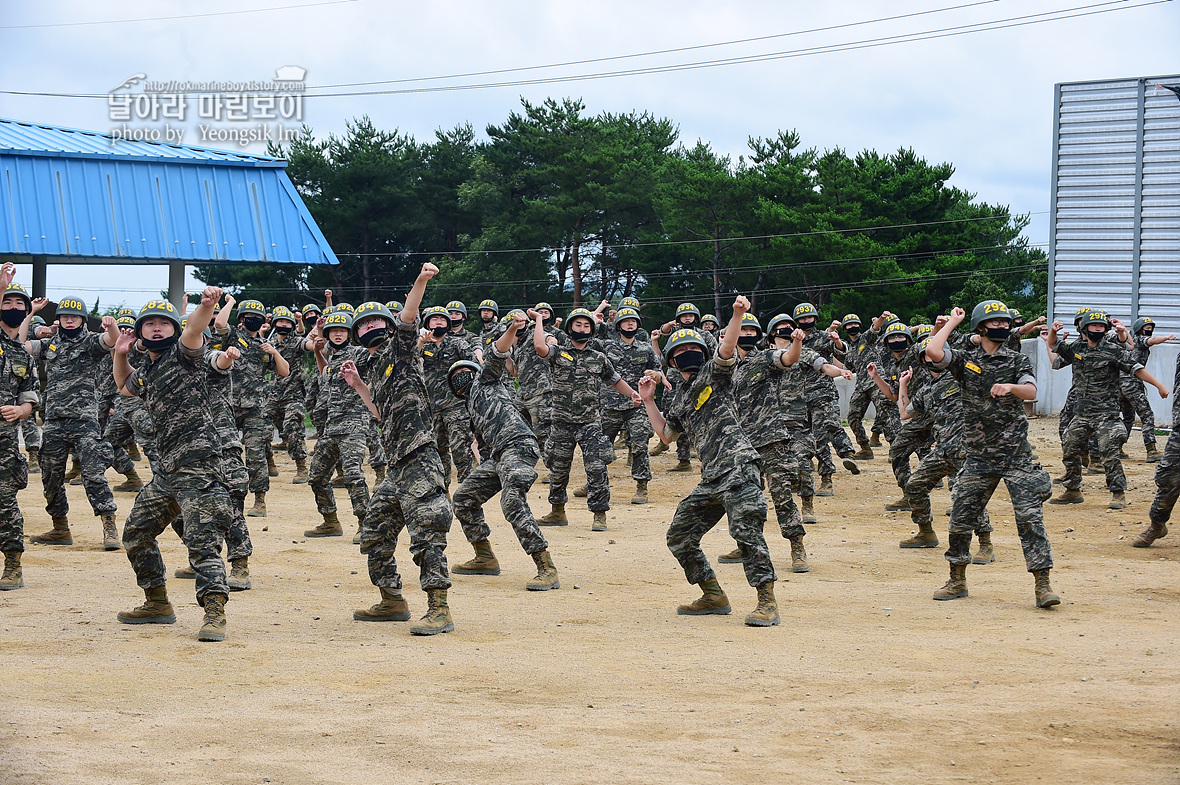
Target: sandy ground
x=866, y=680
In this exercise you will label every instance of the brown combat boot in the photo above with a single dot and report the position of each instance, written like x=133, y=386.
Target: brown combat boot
x=640, y=496
x=438, y=615
x=155, y=609
x=711, y=601
x=133, y=452
x=484, y=563
x=902, y=503
x=825, y=486
x=12, y=578
x=766, y=614
x=239, y=574
x=659, y=448
x=546, y=577
x=865, y=453
x=925, y=538
x=259, y=508
x=271, y=469
x=807, y=509
x=875, y=441
x=329, y=528
x=58, y=535
x=733, y=557
x=582, y=491
x=956, y=587
x=34, y=461
x=681, y=466
x=75, y=472
x=848, y=461
x=360, y=528
x=132, y=482
x=379, y=472
x=300, y=472
x=110, y=533
x=556, y=517
x=1150, y=535
x=213, y=627
x=1153, y=455
x=1068, y=497
x=1118, y=501
x=1045, y=596
x=799, y=556
x=599, y=524
x=393, y=607
x=185, y=573
x=986, y=554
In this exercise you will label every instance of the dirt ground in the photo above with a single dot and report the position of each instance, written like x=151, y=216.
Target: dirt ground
x=866, y=680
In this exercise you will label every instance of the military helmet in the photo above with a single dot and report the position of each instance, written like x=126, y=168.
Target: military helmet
x=338, y=319
x=282, y=312
x=20, y=291
x=849, y=318
x=125, y=311
x=1141, y=322
x=330, y=310
x=369, y=309
x=772, y=325
x=156, y=308
x=508, y=317
x=988, y=310
x=125, y=321
x=923, y=331
x=543, y=306
x=489, y=305
x=455, y=305
x=683, y=337
x=38, y=321
x=805, y=309
x=73, y=306
x=897, y=330
x=684, y=308
x=251, y=306
x=584, y=313
x=1094, y=317
x=1079, y=313
x=629, y=302
x=710, y=318
x=345, y=307
x=394, y=306
x=628, y=313
x=468, y=371
x=311, y=308
x=750, y=320
x=1017, y=317
x=435, y=310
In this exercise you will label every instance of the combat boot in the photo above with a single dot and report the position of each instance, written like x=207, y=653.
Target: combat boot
x=185, y=573
x=360, y=528
x=546, y=577
x=259, y=508
x=640, y=496
x=1153, y=455
x=58, y=535
x=1068, y=496
x=799, y=556
x=110, y=533
x=659, y=448
x=903, y=503
x=75, y=472
x=956, y=587
x=484, y=563
x=556, y=517
x=1045, y=596
x=766, y=614
x=133, y=452
x=712, y=601
x=329, y=528
x=379, y=472
x=1118, y=501
x=132, y=482
x=876, y=440
x=825, y=486
x=438, y=615
x=582, y=491
x=807, y=509
x=213, y=628
x=239, y=574
x=848, y=463
x=681, y=466
x=925, y=538
x=300, y=472
x=1150, y=535
x=155, y=609
x=599, y=524
x=986, y=554
x=338, y=481
x=12, y=578
x=1123, y=454
x=35, y=461
x=865, y=453
x=271, y=469
x=393, y=607
x=733, y=557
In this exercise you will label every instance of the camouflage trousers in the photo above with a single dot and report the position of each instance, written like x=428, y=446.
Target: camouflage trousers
x=538, y=413
x=452, y=436
x=1111, y=436
x=858, y=407
x=412, y=497
x=783, y=464
x=887, y=416
x=1028, y=485
x=120, y=460
x=1068, y=412
x=511, y=475
x=913, y=437
x=349, y=451
x=683, y=447
x=1133, y=401
x=376, y=450
x=196, y=492
x=32, y=433
x=59, y=438
x=639, y=432
x=940, y=462
x=14, y=476
x=131, y=425
x=256, y=430
x=738, y=495
x=1167, y=480
x=827, y=432
x=289, y=416
x=597, y=453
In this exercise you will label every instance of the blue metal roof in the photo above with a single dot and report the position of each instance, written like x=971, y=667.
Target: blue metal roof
x=82, y=196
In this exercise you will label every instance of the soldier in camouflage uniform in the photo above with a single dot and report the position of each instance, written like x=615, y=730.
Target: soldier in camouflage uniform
x=119, y=439
x=1167, y=480
x=29, y=428
x=191, y=481
x=457, y=312
x=688, y=316
x=730, y=478
x=823, y=402
x=917, y=431
x=578, y=371
x=508, y=465
x=1097, y=362
x=534, y=378
x=489, y=319
x=413, y=495
x=72, y=357
x=20, y=398
x=452, y=427
x=631, y=357
x=1132, y=394
x=863, y=347
x=994, y=381
x=130, y=423
x=285, y=404
x=897, y=339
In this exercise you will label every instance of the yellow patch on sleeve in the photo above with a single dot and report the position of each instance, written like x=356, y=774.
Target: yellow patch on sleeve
x=704, y=396
x=861, y=349
x=973, y=367
x=567, y=356
x=389, y=369
x=1077, y=356
x=243, y=342
x=428, y=354
x=52, y=347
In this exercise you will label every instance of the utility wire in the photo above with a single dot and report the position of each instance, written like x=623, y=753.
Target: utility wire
x=170, y=18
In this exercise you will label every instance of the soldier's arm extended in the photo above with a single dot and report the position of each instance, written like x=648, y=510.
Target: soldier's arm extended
x=409, y=311
x=282, y=367
x=351, y=375
x=647, y=391
x=883, y=385
x=903, y=394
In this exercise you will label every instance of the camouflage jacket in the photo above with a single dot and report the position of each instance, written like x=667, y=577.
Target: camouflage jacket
x=703, y=407
x=293, y=386
x=578, y=375
x=18, y=383
x=1096, y=372
x=394, y=374
x=437, y=359
x=820, y=386
x=995, y=430
x=220, y=385
x=770, y=399
x=865, y=349
x=313, y=402
x=71, y=367
x=941, y=403
x=248, y=371
x=629, y=361
x=492, y=407
x=533, y=373
x=344, y=411
x=469, y=338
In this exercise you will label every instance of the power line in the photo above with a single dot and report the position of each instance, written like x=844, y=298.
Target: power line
x=170, y=18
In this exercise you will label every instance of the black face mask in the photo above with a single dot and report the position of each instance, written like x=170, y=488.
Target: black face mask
x=440, y=331
x=807, y=326
x=578, y=337
x=487, y=319
x=1095, y=335
x=374, y=337
x=897, y=347
x=159, y=344
x=852, y=331
x=1018, y=323
x=72, y=332
x=747, y=341
x=283, y=330
x=548, y=321
x=629, y=333
x=999, y=334
x=457, y=323
x=252, y=323
x=460, y=382
x=1145, y=333
x=13, y=317
x=689, y=360
x=709, y=327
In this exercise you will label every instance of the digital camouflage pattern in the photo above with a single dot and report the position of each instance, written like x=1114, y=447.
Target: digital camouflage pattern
x=597, y=454
x=1133, y=394
x=18, y=385
x=285, y=404
x=578, y=378
x=703, y=408
x=618, y=412
x=248, y=374
x=399, y=392
x=770, y=399
x=342, y=439
x=861, y=351
x=634, y=423
x=1167, y=472
x=452, y=428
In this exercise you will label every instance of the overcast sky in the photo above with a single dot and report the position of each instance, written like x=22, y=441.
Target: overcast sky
x=981, y=101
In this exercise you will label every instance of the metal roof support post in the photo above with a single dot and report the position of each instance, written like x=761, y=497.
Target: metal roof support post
x=1137, y=241
x=1052, y=306
x=175, y=282
x=40, y=263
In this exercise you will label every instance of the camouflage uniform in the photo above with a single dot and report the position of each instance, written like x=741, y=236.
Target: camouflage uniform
x=619, y=411
x=284, y=405
x=577, y=376
x=107, y=393
x=71, y=420
x=1096, y=373
x=889, y=368
x=247, y=374
x=508, y=468
x=1133, y=395
x=19, y=387
x=131, y=422
x=995, y=447
x=730, y=480
x=865, y=349
x=191, y=482
x=1167, y=473
x=916, y=433
x=452, y=426
x=823, y=406
x=344, y=434
x=684, y=441
x=413, y=494
x=535, y=389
